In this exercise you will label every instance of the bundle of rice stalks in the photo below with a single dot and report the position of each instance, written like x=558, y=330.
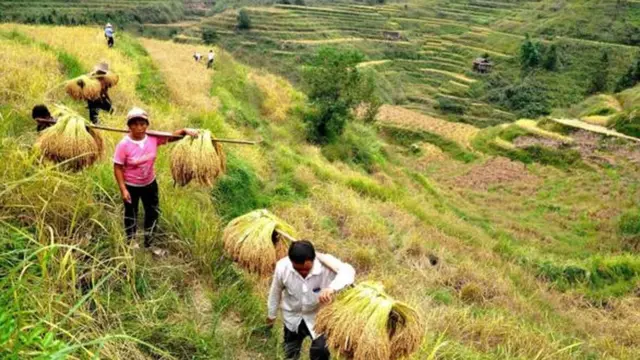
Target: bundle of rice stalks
x=108, y=80
x=70, y=140
x=365, y=323
x=197, y=158
x=252, y=241
x=83, y=88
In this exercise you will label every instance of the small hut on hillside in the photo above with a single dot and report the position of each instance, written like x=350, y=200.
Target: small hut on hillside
x=482, y=65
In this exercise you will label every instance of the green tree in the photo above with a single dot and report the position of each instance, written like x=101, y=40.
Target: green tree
x=244, y=20
x=530, y=53
x=627, y=80
x=209, y=36
x=600, y=77
x=335, y=87
x=550, y=61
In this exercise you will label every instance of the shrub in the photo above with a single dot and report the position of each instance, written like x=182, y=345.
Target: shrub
x=629, y=228
x=628, y=123
x=209, y=36
x=358, y=145
x=244, y=20
x=448, y=105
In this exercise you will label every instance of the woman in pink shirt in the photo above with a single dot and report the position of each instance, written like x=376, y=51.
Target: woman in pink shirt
x=133, y=166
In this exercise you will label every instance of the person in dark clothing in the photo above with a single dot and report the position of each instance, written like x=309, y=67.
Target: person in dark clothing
x=103, y=102
x=41, y=112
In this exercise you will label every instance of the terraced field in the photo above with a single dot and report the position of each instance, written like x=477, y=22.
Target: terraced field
x=90, y=11
x=422, y=53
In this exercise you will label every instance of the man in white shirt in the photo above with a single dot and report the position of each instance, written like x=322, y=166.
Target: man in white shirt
x=301, y=282
x=210, y=62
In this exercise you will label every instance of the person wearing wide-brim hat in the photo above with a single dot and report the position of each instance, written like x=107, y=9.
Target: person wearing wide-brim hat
x=133, y=166
x=103, y=102
x=108, y=34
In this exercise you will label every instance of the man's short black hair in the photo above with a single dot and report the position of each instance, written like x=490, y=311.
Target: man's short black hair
x=40, y=112
x=301, y=251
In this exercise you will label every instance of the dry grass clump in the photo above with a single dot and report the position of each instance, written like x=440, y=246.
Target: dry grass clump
x=251, y=240
x=70, y=140
x=197, y=158
x=365, y=323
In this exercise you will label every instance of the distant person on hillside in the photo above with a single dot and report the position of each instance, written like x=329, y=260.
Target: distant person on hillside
x=103, y=102
x=133, y=167
x=210, y=62
x=108, y=34
x=197, y=56
x=41, y=114
x=301, y=282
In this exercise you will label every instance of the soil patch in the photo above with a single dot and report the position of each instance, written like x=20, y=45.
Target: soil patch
x=495, y=171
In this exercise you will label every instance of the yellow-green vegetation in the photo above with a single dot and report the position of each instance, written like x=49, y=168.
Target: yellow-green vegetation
x=531, y=126
x=366, y=323
x=503, y=260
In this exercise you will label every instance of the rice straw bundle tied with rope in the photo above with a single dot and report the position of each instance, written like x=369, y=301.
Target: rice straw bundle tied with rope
x=197, y=158
x=70, y=140
x=365, y=323
x=253, y=241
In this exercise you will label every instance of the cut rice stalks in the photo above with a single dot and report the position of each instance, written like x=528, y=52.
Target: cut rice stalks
x=365, y=323
x=83, y=88
x=89, y=87
x=70, y=141
x=197, y=158
x=108, y=80
x=252, y=240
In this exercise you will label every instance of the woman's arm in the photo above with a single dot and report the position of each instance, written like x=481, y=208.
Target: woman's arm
x=118, y=170
x=183, y=132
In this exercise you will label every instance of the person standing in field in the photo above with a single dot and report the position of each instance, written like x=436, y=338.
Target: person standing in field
x=108, y=34
x=103, y=102
x=303, y=281
x=197, y=56
x=210, y=62
x=133, y=167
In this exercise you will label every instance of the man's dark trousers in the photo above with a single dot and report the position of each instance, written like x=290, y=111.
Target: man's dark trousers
x=293, y=344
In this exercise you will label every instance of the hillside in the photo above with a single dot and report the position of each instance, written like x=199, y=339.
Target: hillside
x=517, y=238
x=422, y=52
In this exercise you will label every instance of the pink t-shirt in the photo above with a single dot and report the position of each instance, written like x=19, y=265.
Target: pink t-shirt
x=138, y=158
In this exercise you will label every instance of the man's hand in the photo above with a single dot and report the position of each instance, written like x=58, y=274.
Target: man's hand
x=125, y=195
x=270, y=322
x=326, y=295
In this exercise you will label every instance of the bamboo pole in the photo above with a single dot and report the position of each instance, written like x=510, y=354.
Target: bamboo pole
x=158, y=133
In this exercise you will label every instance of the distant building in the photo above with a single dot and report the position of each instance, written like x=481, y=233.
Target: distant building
x=482, y=65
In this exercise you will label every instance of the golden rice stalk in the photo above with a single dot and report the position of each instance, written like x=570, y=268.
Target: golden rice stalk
x=108, y=80
x=197, y=158
x=365, y=323
x=70, y=141
x=83, y=88
x=251, y=240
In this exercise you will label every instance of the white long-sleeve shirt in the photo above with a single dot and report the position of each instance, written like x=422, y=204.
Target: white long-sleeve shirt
x=298, y=297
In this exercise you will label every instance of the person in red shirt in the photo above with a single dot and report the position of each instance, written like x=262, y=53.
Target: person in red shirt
x=133, y=166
